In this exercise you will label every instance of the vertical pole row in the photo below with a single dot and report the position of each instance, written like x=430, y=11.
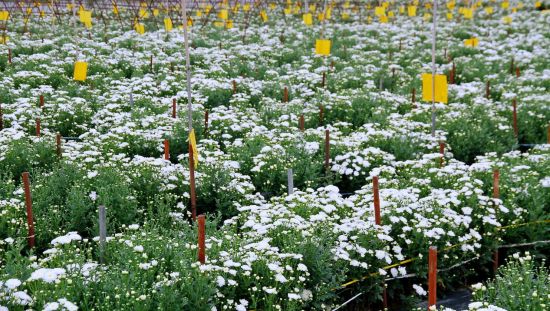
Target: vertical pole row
x=432, y=276
x=28, y=205
x=202, y=245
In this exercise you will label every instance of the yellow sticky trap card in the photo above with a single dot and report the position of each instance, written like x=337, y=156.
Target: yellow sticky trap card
x=473, y=42
x=4, y=15
x=489, y=10
x=80, y=71
x=505, y=5
x=223, y=14
x=308, y=19
x=140, y=28
x=168, y=26
x=322, y=47
x=383, y=19
x=380, y=11
x=507, y=19
x=85, y=16
x=156, y=12
x=441, y=88
x=411, y=10
x=228, y=24
x=143, y=13
x=263, y=15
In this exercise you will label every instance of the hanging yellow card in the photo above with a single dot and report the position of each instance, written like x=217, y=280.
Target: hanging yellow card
x=156, y=12
x=451, y=5
x=402, y=9
x=328, y=14
x=383, y=19
x=263, y=15
x=4, y=15
x=489, y=10
x=449, y=16
x=308, y=19
x=143, y=13
x=345, y=16
x=86, y=16
x=473, y=42
x=199, y=13
x=411, y=10
x=223, y=14
x=80, y=71
x=4, y=39
x=441, y=88
x=246, y=7
x=168, y=24
x=507, y=19
x=115, y=10
x=538, y=4
x=468, y=13
x=322, y=47
x=288, y=10
x=505, y=5
x=379, y=11
x=140, y=28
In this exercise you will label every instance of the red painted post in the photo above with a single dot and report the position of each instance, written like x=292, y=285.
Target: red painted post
x=58, y=144
x=285, y=95
x=432, y=276
x=442, y=153
x=166, y=149
x=37, y=127
x=174, y=108
x=301, y=123
x=41, y=101
x=192, y=184
x=321, y=114
x=327, y=150
x=515, y=118
x=202, y=238
x=28, y=204
x=206, y=121
x=376, y=199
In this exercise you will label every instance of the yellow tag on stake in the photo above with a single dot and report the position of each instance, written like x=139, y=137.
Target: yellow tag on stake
x=441, y=88
x=322, y=47
x=80, y=71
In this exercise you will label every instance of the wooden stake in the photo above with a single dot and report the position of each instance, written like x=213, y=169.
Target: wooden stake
x=166, y=149
x=192, y=184
x=452, y=74
x=301, y=123
x=41, y=101
x=174, y=108
x=517, y=72
x=285, y=95
x=432, y=276
x=515, y=118
x=58, y=144
x=102, y=233
x=151, y=63
x=37, y=127
x=413, y=99
x=202, y=238
x=496, y=179
x=324, y=79
x=442, y=153
x=234, y=87
x=28, y=204
x=376, y=200
x=206, y=121
x=327, y=150
x=9, y=56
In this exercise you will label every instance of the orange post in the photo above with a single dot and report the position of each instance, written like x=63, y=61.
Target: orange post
x=202, y=244
x=28, y=204
x=58, y=144
x=517, y=72
x=174, y=107
x=515, y=118
x=285, y=95
x=41, y=101
x=376, y=199
x=166, y=149
x=206, y=121
x=37, y=127
x=432, y=276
